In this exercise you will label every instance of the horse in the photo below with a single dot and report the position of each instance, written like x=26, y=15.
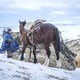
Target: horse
x=44, y=34
x=23, y=39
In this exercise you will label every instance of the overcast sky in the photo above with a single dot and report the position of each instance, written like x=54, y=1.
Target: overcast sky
x=54, y=11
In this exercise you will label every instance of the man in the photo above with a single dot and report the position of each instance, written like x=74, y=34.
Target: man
x=7, y=40
x=9, y=44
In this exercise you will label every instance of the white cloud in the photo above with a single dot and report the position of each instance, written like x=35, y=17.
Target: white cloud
x=77, y=17
x=78, y=5
x=52, y=17
x=8, y=11
x=63, y=22
x=57, y=12
x=33, y=4
x=38, y=4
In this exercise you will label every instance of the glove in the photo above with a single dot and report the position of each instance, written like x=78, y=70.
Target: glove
x=9, y=41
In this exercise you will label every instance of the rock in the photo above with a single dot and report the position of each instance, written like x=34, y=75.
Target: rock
x=74, y=45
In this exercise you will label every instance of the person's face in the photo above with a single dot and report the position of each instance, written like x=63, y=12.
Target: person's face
x=9, y=31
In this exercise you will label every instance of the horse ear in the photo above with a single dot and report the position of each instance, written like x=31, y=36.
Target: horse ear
x=25, y=21
x=19, y=21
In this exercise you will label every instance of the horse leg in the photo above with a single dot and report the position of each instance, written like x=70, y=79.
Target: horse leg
x=34, y=53
x=48, y=52
x=23, y=50
x=30, y=53
x=58, y=62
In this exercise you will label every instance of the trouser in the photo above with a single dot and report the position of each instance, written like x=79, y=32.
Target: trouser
x=9, y=54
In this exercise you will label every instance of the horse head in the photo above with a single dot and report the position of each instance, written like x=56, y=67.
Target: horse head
x=22, y=23
x=23, y=32
x=21, y=26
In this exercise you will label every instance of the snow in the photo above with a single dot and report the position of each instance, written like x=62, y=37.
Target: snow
x=70, y=32
x=11, y=69
x=19, y=70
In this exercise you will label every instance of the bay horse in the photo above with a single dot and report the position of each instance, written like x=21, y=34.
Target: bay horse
x=24, y=40
x=45, y=35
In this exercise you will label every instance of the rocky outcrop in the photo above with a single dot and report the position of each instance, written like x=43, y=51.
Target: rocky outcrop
x=74, y=46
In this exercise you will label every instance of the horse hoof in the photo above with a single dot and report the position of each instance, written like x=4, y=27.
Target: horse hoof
x=22, y=59
x=58, y=64
x=35, y=62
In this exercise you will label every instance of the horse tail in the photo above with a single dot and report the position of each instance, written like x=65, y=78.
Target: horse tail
x=57, y=39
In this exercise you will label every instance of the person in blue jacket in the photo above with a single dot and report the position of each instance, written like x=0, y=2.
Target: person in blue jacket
x=9, y=44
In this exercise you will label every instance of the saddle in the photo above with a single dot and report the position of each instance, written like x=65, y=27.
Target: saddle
x=36, y=24
x=34, y=28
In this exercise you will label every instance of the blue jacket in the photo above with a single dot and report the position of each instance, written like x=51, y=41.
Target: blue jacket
x=6, y=46
x=7, y=36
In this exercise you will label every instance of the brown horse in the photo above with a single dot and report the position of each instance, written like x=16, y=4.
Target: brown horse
x=24, y=39
x=45, y=34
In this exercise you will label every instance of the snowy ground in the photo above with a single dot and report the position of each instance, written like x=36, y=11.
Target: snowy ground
x=18, y=70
